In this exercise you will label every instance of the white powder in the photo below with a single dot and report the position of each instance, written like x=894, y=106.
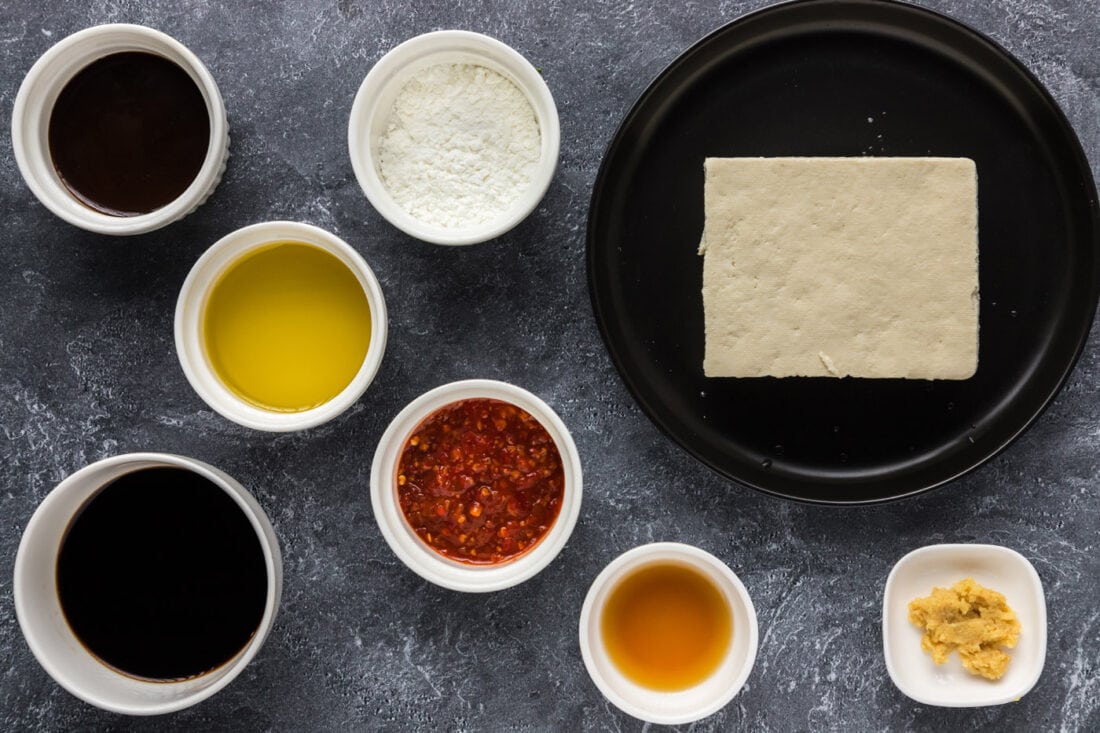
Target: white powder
x=460, y=147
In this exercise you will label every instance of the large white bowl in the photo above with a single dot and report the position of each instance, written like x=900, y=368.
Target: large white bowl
x=48, y=633
x=34, y=103
x=189, y=315
x=371, y=110
x=682, y=706
x=423, y=560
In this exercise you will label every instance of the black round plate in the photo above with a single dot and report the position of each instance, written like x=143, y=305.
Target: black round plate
x=846, y=78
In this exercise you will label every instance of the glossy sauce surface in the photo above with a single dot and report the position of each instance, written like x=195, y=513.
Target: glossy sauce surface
x=666, y=626
x=129, y=133
x=286, y=327
x=161, y=575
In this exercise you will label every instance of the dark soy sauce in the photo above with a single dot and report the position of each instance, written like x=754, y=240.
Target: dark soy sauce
x=129, y=133
x=161, y=576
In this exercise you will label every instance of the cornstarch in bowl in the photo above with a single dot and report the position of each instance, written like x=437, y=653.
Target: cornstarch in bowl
x=461, y=145
x=454, y=137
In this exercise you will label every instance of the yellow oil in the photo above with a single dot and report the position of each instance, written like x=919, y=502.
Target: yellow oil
x=666, y=626
x=286, y=327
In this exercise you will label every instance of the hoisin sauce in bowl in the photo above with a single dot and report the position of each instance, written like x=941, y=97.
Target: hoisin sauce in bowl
x=120, y=129
x=129, y=133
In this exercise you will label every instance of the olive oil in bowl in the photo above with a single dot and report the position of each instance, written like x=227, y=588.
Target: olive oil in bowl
x=286, y=326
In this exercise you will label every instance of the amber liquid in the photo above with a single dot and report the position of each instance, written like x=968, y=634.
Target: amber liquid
x=666, y=627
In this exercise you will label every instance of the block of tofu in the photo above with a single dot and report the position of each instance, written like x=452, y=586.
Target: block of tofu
x=834, y=267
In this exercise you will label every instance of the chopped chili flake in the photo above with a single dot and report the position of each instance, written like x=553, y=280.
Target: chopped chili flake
x=496, y=465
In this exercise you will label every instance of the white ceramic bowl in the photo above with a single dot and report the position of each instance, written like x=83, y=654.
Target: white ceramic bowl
x=192, y=302
x=371, y=111
x=694, y=703
x=43, y=622
x=950, y=685
x=423, y=560
x=34, y=104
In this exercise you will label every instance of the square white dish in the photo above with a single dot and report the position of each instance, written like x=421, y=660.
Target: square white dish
x=950, y=685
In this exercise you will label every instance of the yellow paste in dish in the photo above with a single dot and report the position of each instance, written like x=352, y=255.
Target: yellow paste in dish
x=970, y=619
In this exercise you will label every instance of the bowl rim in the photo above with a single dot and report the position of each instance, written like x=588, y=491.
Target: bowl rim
x=37, y=95
x=499, y=57
x=429, y=564
x=191, y=303
x=721, y=575
x=956, y=550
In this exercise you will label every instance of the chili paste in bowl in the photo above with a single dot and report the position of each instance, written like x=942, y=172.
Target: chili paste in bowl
x=476, y=485
x=480, y=481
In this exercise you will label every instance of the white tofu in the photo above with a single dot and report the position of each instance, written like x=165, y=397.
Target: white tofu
x=833, y=267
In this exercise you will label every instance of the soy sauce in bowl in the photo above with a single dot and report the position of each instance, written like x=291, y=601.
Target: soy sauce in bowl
x=161, y=575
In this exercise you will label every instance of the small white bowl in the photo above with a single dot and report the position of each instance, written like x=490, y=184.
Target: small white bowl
x=950, y=685
x=39, y=91
x=694, y=703
x=370, y=114
x=43, y=622
x=192, y=303
x=404, y=542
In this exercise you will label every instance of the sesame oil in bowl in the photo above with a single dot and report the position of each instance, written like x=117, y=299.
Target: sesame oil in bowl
x=668, y=633
x=666, y=626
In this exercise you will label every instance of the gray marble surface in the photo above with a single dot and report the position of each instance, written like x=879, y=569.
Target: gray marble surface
x=88, y=370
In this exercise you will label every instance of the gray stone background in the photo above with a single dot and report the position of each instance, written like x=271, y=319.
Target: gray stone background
x=88, y=370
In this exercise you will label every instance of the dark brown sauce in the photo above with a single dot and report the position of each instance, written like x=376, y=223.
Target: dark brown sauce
x=129, y=133
x=161, y=575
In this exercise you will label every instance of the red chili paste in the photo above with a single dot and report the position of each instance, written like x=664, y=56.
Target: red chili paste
x=480, y=481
